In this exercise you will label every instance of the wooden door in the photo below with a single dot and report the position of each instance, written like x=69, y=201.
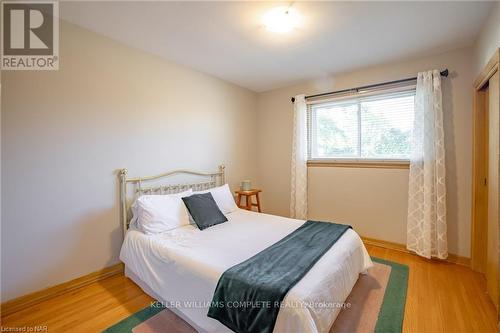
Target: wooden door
x=493, y=187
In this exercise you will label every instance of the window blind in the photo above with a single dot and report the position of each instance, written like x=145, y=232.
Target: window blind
x=377, y=126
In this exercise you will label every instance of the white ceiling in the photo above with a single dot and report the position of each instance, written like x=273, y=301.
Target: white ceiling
x=227, y=40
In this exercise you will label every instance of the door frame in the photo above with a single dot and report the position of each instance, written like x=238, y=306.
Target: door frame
x=479, y=224
x=479, y=218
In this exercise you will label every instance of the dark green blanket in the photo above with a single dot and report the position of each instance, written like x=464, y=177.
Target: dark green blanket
x=249, y=295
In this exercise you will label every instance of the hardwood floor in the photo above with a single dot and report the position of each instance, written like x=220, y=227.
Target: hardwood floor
x=442, y=297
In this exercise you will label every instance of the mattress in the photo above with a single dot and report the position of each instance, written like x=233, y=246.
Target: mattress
x=182, y=267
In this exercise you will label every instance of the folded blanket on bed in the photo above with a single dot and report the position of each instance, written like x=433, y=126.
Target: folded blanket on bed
x=249, y=295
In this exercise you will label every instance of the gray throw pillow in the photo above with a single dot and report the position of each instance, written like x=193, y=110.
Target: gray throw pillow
x=204, y=210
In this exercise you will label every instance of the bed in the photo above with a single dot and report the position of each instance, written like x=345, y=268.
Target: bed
x=181, y=267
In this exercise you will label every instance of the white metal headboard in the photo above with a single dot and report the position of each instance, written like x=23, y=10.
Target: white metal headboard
x=213, y=179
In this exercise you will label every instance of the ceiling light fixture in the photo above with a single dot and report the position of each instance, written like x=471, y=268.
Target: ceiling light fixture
x=281, y=19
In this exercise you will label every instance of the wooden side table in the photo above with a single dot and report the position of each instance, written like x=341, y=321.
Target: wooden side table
x=248, y=199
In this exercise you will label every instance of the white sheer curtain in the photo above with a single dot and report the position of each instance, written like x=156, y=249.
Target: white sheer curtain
x=426, y=229
x=298, y=199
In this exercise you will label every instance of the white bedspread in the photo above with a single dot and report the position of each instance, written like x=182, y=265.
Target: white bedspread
x=183, y=267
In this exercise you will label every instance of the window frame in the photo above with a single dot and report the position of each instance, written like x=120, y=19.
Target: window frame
x=354, y=162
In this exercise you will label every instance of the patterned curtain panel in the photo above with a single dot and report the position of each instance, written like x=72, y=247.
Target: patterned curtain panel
x=298, y=200
x=426, y=229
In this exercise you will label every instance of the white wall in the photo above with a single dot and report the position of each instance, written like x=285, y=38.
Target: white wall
x=66, y=132
x=488, y=40
x=371, y=200
x=374, y=201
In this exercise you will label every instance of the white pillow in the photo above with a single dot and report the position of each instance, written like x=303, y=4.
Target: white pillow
x=223, y=198
x=160, y=213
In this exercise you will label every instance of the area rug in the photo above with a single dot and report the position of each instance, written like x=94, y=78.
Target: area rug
x=375, y=305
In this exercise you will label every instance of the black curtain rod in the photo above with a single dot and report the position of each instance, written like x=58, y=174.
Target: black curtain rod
x=443, y=73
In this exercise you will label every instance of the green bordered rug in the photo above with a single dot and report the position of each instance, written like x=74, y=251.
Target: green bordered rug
x=392, y=312
x=377, y=305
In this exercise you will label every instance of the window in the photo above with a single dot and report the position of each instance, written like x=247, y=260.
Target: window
x=376, y=127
